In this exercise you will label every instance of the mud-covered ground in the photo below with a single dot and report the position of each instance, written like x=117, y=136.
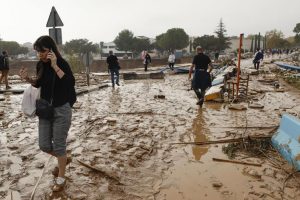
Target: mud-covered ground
x=121, y=145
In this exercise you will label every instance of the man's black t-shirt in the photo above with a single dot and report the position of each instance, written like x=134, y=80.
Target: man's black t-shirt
x=112, y=61
x=4, y=62
x=201, y=61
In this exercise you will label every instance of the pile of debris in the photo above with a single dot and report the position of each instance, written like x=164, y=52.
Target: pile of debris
x=252, y=147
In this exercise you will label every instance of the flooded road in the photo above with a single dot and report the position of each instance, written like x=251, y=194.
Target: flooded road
x=121, y=141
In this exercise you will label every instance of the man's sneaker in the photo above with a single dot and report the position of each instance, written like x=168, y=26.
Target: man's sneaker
x=7, y=87
x=118, y=84
x=200, y=103
x=59, y=184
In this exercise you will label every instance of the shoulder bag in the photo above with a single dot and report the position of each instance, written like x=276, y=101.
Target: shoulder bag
x=44, y=109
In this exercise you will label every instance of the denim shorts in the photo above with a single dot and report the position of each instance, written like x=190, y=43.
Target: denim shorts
x=53, y=133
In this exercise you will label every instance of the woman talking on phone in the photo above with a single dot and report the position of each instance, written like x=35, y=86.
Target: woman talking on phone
x=56, y=80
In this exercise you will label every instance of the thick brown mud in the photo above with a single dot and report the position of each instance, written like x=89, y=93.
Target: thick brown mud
x=127, y=136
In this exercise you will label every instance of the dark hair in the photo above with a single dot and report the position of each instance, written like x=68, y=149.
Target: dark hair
x=46, y=41
x=4, y=52
x=110, y=52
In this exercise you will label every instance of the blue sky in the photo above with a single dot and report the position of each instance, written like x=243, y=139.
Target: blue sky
x=99, y=20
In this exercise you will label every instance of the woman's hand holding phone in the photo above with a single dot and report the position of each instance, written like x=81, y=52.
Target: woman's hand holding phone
x=52, y=57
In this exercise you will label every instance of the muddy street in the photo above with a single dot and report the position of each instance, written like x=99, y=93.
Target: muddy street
x=122, y=145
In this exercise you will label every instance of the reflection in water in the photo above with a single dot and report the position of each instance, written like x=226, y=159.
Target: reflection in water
x=199, y=135
x=213, y=106
x=114, y=100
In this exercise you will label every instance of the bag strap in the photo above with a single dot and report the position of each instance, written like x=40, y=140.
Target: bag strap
x=52, y=88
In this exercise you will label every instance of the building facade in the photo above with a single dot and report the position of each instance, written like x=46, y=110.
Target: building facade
x=111, y=46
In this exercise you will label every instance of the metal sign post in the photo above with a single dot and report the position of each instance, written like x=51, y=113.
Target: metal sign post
x=87, y=61
x=54, y=21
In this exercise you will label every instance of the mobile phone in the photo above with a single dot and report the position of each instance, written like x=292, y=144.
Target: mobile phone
x=50, y=51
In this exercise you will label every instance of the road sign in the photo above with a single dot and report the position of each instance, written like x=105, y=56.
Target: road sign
x=54, y=19
x=87, y=59
x=55, y=34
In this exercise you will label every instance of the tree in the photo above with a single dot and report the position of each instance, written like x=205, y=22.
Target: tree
x=101, y=47
x=223, y=41
x=208, y=42
x=22, y=50
x=80, y=46
x=12, y=47
x=251, y=48
x=250, y=36
x=101, y=44
x=275, y=39
x=124, y=41
x=175, y=38
x=159, y=44
x=297, y=31
x=140, y=44
x=297, y=28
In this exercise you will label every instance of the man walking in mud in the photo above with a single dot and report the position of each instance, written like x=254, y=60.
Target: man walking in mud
x=4, y=68
x=114, y=67
x=147, y=60
x=259, y=56
x=201, y=77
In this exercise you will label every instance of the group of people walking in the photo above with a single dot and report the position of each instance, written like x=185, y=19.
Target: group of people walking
x=55, y=79
x=114, y=65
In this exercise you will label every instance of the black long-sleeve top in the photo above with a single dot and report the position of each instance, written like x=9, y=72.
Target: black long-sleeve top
x=147, y=59
x=64, y=90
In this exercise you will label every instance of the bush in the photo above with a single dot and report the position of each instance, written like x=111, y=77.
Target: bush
x=75, y=64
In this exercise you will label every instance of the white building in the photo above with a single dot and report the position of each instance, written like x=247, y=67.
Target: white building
x=111, y=46
x=235, y=43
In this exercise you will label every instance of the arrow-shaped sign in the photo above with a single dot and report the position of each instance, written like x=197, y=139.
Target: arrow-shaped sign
x=54, y=19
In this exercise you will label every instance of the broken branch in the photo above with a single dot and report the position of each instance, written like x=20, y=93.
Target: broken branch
x=37, y=183
x=99, y=170
x=236, y=162
x=225, y=141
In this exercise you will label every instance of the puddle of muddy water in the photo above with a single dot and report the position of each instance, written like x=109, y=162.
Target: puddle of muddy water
x=194, y=173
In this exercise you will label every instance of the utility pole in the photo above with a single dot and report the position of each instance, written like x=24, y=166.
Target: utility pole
x=251, y=48
x=258, y=45
x=239, y=64
x=255, y=44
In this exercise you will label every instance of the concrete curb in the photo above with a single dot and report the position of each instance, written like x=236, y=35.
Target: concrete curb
x=91, y=89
